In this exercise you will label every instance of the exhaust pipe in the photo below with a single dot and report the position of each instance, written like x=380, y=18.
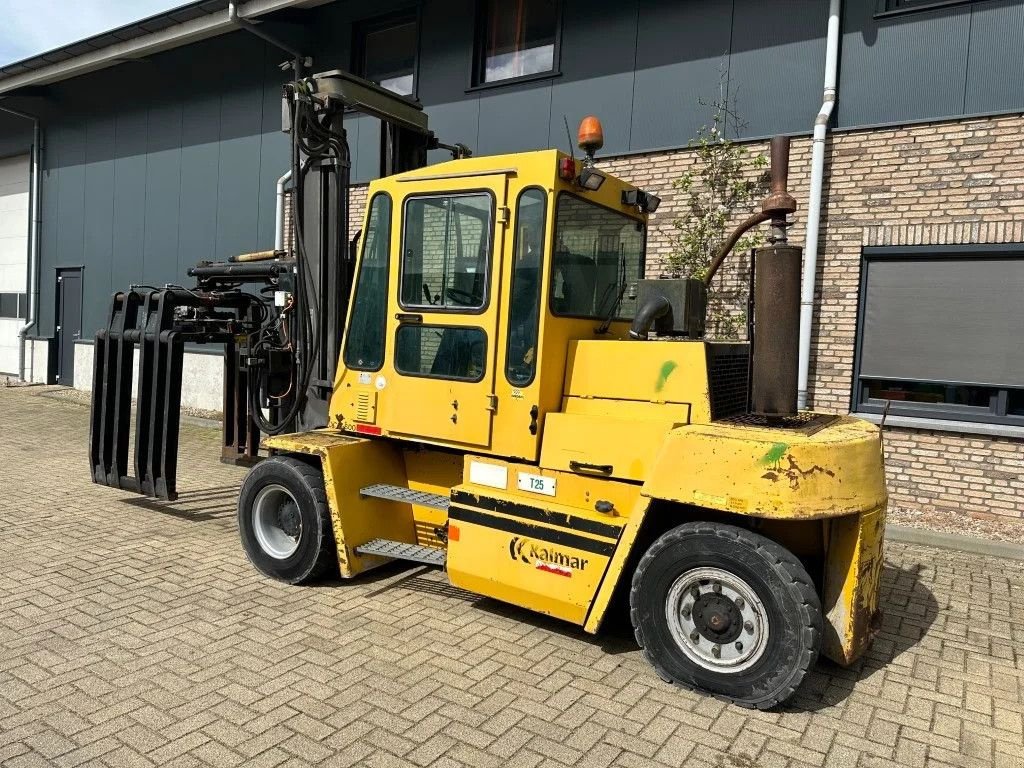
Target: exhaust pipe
x=776, y=342
x=776, y=322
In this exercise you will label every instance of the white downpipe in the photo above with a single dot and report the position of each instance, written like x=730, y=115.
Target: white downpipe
x=279, y=215
x=814, y=204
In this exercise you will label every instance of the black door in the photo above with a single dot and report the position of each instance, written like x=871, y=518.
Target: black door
x=69, y=322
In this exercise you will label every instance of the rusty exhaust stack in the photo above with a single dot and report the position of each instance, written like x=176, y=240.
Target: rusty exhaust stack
x=776, y=341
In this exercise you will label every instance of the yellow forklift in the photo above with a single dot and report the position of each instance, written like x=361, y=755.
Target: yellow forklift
x=515, y=403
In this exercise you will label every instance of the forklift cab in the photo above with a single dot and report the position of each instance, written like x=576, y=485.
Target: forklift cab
x=473, y=278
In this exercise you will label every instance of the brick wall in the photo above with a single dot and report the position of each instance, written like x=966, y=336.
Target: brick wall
x=955, y=182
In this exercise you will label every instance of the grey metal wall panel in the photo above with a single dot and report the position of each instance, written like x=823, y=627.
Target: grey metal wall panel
x=682, y=48
x=98, y=235
x=516, y=119
x=995, y=68
x=456, y=121
x=241, y=118
x=130, y=196
x=49, y=186
x=902, y=68
x=275, y=148
x=163, y=193
x=446, y=45
x=71, y=196
x=777, y=63
x=597, y=57
x=200, y=165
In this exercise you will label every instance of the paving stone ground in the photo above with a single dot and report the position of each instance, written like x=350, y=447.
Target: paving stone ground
x=136, y=633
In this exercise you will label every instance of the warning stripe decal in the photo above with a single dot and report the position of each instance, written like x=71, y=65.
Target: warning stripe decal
x=550, y=535
x=518, y=509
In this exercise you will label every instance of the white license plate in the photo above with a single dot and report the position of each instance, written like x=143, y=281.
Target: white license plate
x=537, y=484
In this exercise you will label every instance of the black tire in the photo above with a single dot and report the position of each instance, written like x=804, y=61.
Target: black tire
x=285, y=523
x=687, y=635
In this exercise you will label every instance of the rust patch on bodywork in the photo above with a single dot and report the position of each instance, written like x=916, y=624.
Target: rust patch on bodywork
x=794, y=473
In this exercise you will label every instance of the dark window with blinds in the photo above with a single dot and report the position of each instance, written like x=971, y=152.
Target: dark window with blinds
x=516, y=39
x=941, y=333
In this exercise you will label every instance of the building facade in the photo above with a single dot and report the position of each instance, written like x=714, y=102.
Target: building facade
x=153, y=164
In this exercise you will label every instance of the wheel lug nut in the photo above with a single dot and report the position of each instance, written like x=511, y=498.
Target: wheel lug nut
x=716, y=651
x=716, y=587
x=749, y=626
x=695, y=636
x=739, y=646
x=740, y=603
x=695, y=591
x=686, y=611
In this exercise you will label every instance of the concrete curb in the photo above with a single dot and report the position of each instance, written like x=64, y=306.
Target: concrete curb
x=955, y=541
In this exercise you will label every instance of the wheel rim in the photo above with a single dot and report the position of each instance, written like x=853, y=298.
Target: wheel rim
x=276, y=521
x=717, y=620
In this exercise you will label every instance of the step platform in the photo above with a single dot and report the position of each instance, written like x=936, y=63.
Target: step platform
x=408, y=495
x=400, y=550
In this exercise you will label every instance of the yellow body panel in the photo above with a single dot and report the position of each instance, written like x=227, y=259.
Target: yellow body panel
x=852, y=583
x=546, y=553
x=785, y=474
x=653, y=373
x=433, y=472
x=603, y=445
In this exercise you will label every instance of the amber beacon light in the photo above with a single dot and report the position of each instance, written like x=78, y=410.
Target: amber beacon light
x=590, y=136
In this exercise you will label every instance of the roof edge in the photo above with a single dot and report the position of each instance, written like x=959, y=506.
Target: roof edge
x=180, y=34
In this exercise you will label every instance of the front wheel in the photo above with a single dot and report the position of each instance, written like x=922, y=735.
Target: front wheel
x=284, y=521
x=724, y=610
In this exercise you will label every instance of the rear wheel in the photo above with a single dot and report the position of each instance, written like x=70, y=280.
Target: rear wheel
x=724, y=610
x=284, y=521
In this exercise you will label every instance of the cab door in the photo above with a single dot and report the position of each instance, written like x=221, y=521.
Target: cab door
x=444, y=316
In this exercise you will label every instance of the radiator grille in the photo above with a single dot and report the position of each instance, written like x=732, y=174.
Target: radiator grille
x=366, y=407
x=727, y=379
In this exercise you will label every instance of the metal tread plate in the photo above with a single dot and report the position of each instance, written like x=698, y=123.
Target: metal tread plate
x=408, y=495
x=806, y=422
x=400, y=550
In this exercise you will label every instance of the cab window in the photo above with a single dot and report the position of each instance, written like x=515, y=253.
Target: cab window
x=446, y=252
x=364, y=347
x=441, y=352
x=524, y=309
x=598, y=256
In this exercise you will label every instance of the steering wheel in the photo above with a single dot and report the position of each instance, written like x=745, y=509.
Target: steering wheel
x=460, y=297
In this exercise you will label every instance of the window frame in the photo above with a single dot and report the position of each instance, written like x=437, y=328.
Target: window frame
x=554, y=239
x=886, y=8
x=358, y=281
x=433, y=308
x=19, y=301
x=442, y=327
x=544, y=257
x=363, y=27
x=478, y=65
x=996, y=414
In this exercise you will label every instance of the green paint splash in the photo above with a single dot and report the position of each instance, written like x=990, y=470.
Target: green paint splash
x=666, y=370
x=775, y=454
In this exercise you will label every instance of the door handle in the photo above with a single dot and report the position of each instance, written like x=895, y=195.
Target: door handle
x=583, y=466
x=403, y=317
